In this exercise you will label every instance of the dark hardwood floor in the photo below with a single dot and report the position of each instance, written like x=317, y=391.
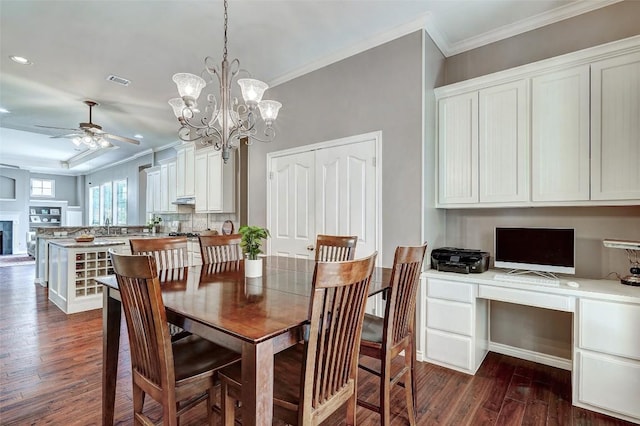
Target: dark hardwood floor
x=50, y=373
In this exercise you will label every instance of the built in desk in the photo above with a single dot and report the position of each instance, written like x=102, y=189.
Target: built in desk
x=605, y=349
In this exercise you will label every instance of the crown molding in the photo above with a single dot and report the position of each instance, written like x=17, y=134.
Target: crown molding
x=546, y=18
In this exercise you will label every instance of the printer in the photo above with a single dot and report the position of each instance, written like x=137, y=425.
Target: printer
x=464, y=261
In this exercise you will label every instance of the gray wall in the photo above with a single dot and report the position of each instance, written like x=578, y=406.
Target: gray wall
x=19, y=206
x=379, y=89
x=65, y=188
x=615, y=22
x=130, y=171
x=473, y=228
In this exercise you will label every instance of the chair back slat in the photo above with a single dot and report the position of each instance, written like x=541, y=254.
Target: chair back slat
x=335, y=248
x=168, y=252
x=220, y=248
x=337, y=309
x=149, y=339
x=401, y=303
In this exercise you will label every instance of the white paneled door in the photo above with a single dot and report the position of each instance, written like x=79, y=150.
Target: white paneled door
x=327, y=190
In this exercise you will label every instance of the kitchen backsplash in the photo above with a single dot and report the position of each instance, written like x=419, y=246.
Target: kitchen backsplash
x=197, y=222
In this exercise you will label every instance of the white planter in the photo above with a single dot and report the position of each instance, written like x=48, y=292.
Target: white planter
x=253, y=268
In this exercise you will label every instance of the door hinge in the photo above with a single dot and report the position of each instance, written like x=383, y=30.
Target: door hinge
x=270, y=175
x=374, y=161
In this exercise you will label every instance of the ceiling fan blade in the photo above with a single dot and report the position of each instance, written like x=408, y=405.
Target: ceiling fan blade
x=121, y=138
x=69, y=136
x=57, y=128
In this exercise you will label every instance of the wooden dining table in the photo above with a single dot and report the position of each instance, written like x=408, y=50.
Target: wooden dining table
x=256, y=317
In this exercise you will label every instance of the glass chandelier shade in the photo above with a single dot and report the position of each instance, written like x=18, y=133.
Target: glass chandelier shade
x=92, y=142
x=225, y=120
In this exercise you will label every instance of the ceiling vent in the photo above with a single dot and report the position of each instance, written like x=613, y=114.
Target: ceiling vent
x=119, y=80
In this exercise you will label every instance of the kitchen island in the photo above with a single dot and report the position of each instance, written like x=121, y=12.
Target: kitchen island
x=73, y=267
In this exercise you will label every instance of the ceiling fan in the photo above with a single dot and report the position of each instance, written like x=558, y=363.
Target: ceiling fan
x=91, y=134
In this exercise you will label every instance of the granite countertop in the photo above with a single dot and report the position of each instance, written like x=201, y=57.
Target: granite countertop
x=98, y=242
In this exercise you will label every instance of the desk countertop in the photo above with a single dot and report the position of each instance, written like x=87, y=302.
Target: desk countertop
x=589, y=288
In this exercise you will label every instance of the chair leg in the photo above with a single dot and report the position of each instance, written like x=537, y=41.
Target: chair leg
x=409, y=387
x=138, y=400
x=210, y=403
x=351, y=410
x=227, y=404
x=385, y=391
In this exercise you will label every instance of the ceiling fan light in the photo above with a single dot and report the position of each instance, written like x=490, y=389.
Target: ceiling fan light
x=92, y=144
x=76, y=141
x=189, y=85
x=87, y=140
x=103, y=143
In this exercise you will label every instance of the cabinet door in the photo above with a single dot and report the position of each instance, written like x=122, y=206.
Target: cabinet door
x=504, y=143
x=164, y=187
x=190, y=174
x=201, y=184
x=458, y=149
x=214, y=181
x=172, y=186
x=157, y=201
x=615, y=128
x=180, y=172
x=560, y=135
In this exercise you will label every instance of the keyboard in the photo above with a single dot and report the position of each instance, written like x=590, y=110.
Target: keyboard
x=527, y=279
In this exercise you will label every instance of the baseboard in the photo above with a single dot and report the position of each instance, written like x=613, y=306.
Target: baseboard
x=553, y=361
x=419, y=356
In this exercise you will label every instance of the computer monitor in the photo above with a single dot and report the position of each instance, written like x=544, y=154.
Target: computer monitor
x=535, y=249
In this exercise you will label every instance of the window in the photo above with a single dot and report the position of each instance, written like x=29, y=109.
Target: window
x=120, y=202
x=108, y=201
x=43, y=188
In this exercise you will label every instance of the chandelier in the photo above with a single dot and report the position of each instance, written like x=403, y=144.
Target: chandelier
x=225, y=122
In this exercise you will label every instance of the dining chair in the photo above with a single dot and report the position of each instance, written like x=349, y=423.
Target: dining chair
x=316, y=377
x=169, y=252
x=385, y=338
x=178, y=375
x=335, y=248
x=220, y=248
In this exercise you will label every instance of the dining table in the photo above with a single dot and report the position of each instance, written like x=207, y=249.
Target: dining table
x=257, y=317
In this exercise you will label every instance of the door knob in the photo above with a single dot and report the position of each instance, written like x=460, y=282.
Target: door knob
x=310, y=247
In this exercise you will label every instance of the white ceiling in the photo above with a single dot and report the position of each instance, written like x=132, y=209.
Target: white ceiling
x=74, y=45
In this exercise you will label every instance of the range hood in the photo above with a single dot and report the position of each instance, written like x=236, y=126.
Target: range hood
x=186, y=201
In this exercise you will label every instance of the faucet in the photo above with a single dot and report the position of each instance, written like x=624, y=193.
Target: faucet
x=107, y=223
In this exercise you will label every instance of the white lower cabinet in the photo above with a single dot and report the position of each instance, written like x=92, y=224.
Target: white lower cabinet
x=457, y=325
x=607, y=358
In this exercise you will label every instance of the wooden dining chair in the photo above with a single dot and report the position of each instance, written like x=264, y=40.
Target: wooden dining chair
x=314, y=378
x=178, y=375
x=335, y=248
x=169, y=252
x=220, y=248
x=385, y=338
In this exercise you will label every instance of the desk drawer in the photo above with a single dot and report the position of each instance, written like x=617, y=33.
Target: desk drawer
x=450, y=316
x=450, y=290
x=610, y=327
x=450, y=349
x=529, y=298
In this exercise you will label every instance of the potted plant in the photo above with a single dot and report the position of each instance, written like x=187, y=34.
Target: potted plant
x=251, y=243
x=153, y=222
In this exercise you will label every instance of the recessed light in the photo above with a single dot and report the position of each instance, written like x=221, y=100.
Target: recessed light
x=4, y=110
x=138, y=136
x=20, y=60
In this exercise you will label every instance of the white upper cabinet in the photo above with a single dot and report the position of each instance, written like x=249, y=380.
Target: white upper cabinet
x=458, y=149
x=504, y=143
x=564, y=131
x=153, y=190
x=185, y=170
x=215, y=187
x=615, y=128
x=560, y=135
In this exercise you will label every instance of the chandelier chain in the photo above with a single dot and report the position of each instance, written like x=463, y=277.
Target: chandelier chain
x=226, y=18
